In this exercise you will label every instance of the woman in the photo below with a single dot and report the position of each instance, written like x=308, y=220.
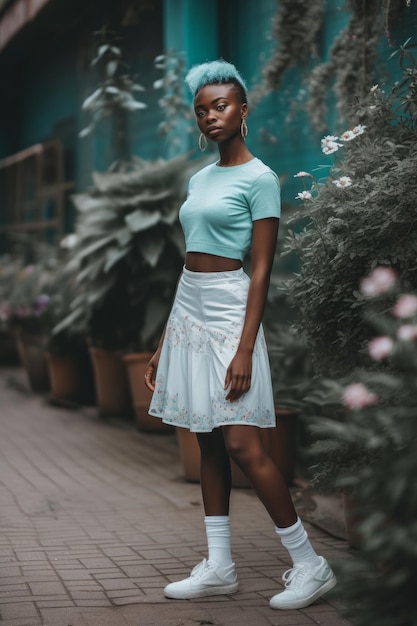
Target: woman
x=210, y=372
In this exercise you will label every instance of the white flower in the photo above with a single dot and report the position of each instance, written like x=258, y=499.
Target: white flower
x=359, y=129
x=348, y=135
x=379, y=281
x=374, y=87
x=302, y=174
x=329, y=144
x=303, y=195
x=357, y=396
x=407, y=332
x=380, y=347
x=405, y=306
x=342, y=182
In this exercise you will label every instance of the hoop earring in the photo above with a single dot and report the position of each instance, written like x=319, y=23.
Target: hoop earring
x=244, y=128
x=202, y=142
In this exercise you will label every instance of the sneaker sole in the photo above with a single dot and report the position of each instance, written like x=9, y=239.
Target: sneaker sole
x=203, y=593
x=301, y=604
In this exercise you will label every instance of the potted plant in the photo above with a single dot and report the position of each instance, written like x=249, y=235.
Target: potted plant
x=28, y=316
x=128, y=256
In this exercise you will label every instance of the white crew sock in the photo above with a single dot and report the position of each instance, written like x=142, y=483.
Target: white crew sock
x=218, y=539
x=296, y=540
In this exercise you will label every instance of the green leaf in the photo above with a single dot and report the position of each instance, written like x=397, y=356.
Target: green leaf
x=142, y=220
x=113, y=256
x=151, y=250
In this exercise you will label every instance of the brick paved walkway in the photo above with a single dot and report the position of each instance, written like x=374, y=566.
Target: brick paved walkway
x=95, y=519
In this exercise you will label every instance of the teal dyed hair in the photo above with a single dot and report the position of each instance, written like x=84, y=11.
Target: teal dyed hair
x=212, y=73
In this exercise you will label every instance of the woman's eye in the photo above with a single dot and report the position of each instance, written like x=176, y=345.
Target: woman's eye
x=221, y=107
x=200, y=113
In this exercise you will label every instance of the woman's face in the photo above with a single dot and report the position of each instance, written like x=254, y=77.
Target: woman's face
x=219, y=111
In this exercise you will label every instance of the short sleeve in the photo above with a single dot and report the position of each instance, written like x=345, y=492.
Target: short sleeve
x=265, y=197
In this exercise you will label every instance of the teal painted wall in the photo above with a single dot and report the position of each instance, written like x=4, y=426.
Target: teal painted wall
x=44, y=88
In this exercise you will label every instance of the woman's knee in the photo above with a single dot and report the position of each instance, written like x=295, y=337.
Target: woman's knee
x=244, y=447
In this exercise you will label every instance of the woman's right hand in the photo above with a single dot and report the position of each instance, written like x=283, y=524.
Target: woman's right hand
x=150, y=372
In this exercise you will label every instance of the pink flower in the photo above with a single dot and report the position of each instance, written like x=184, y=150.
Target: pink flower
x=29, y=269
x=407, y=332
x=342, y=182
x=303, y=195
x=378, y=281
x=405, y=306
x=357, y=396
x=380, y=347
x=302, y=174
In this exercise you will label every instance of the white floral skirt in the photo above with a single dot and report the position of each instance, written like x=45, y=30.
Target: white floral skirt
x=201, y=338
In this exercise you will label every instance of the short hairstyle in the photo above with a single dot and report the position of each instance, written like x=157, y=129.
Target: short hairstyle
x=214, y=73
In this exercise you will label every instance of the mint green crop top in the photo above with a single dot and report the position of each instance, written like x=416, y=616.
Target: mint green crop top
x=223, y=202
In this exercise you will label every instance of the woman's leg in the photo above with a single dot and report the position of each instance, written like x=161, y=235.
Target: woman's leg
x=311, y=576
x=215, y=473
x=217, y=575
x=245, y=447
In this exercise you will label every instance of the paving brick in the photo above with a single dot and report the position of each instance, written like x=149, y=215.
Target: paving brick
x=99, y=519
x=116, y=583
x=15, y=610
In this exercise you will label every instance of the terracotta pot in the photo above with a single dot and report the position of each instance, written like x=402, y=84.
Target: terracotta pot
x=280, y=442
x=112, y=385
x=141, y=396
x=32, y=355
x=64, y=374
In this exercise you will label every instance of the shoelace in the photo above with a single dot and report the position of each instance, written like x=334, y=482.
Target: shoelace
x=294, y=576
x=200, y=569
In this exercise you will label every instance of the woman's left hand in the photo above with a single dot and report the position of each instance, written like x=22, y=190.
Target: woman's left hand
x=238, y=375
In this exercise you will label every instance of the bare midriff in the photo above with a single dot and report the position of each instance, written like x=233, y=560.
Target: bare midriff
x=202, y=262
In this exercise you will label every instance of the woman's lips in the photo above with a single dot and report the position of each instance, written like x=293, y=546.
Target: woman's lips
x=213, y=131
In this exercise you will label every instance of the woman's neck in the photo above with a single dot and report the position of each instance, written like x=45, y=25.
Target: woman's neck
x=233, y=154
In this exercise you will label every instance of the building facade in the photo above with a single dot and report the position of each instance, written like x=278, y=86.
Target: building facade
x=46, y=49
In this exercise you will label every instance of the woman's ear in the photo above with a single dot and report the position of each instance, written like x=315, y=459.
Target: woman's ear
x=244, y=109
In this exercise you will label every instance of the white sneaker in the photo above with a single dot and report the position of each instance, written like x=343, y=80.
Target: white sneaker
x=304, y=584
x=206, y=579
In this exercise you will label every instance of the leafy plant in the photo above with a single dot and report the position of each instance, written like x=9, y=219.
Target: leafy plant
x=129, y=253
x=291, y=365
x=361, y=215
x=114, y=96
x=371, y=453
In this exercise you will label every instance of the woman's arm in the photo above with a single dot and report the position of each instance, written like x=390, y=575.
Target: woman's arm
x=264, y=238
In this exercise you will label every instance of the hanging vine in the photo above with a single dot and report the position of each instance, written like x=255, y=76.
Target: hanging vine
x=350, y=70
